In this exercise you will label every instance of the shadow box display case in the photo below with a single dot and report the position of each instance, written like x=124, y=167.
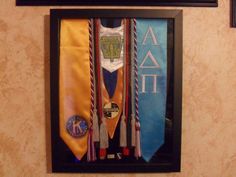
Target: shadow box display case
x=116, y=90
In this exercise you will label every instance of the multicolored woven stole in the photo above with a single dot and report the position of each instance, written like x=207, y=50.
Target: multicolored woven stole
x=74, y=85
x=152, y=84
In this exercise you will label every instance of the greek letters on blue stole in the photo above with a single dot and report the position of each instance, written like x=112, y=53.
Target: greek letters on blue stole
x=152, y=76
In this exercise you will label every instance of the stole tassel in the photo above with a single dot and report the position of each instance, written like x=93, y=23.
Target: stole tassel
x=89, y=148
x=123, y=126
x=103, y=140
x=103, y=135
x=133, y=131
x=102, y=154
x=137, y=146
x=123, y=133
x=95, y=127
x=91, y=154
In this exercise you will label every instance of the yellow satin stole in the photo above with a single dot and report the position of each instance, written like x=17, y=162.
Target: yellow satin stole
x=74, y=82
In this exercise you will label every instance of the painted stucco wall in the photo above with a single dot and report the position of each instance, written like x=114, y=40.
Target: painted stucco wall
x=209, y=96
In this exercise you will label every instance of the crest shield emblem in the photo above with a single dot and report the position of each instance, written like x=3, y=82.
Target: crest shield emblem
x=111, y=47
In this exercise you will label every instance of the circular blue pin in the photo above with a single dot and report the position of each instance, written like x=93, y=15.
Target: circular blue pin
x=77, y=126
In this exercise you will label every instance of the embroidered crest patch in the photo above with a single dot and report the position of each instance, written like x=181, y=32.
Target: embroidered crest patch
x=111, y=47
x=76, y=126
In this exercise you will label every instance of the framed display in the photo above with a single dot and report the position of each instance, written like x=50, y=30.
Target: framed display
x=233, y=11
x=116, y=90
x=208, y=3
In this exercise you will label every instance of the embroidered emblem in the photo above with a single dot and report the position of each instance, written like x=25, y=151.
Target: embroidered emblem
x=76, y=126
x=111, y=47
x=111, y=110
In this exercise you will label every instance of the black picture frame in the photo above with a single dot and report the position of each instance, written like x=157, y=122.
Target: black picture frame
x=233, y=13
x=57, y=145
x=200, y=3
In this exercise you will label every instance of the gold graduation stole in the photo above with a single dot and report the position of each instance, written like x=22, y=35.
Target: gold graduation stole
x=112, y=107
x=111, y=55
x=112, y=120
x=74, y=85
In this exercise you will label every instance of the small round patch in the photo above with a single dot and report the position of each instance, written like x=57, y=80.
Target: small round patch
x=76, y=126
x=111, y=110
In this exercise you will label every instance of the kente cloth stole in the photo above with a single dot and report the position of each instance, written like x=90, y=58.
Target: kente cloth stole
x=152, y=84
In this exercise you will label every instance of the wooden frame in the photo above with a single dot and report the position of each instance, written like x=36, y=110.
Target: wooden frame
x=173, y=150
x=206, y=3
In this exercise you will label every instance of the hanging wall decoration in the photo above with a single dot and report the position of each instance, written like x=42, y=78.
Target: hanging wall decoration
x=206, y=3
x=233, y=13
x=116, y=90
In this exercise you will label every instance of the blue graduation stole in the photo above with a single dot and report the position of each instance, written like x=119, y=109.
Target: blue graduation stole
x=152, y=76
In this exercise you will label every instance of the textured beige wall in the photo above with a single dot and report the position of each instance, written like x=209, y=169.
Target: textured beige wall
x=209, y=113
